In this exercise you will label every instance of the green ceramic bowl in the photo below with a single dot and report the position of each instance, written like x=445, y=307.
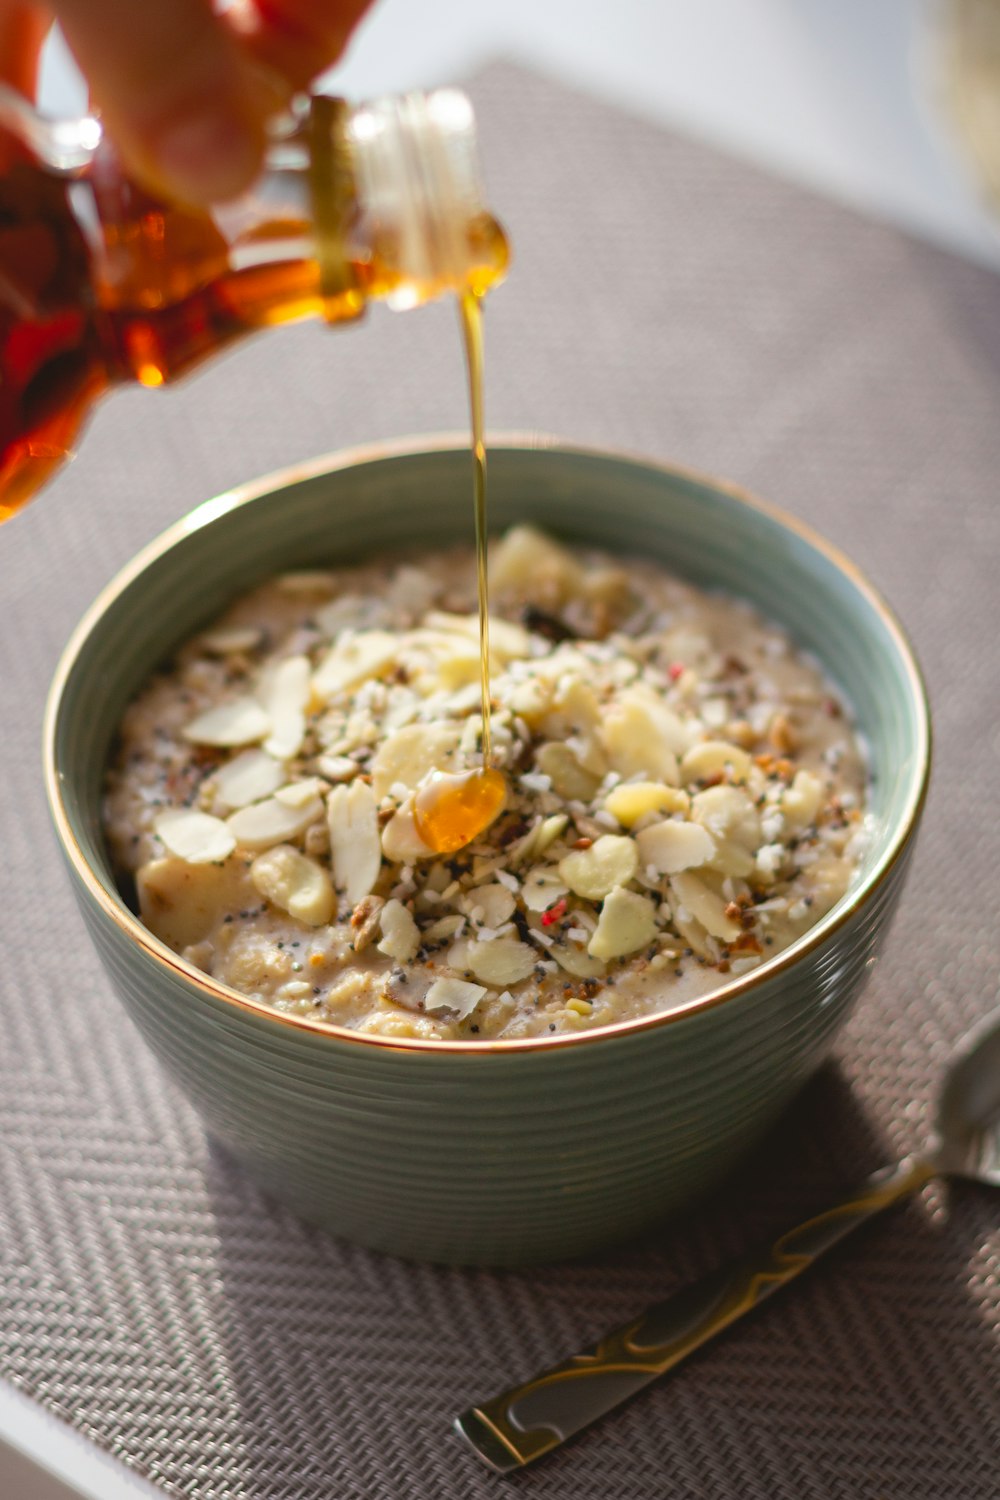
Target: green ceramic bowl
x=502, y=1152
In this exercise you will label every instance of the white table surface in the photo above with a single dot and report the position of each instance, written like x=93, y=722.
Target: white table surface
x=836, y=96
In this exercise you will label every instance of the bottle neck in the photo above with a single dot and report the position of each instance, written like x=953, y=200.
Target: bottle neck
x=384, y=199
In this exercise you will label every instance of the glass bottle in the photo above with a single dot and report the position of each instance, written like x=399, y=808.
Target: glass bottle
x=100, y=283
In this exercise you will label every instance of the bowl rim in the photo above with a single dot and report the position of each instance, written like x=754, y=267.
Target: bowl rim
x=233, y=499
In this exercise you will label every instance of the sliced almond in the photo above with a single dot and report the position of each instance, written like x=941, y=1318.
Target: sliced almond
x=337, y=767
x=184, y=903
x=194, y=836
x=294, y=883
x=454, y=994
x=353, y=660
x=355, y=849
x=231, y=638
x=627, y=923
x=577, y=961
x=507, y=640
x=673, y=846
x=246, y=778
x=283, y=692
x=575, y=709
x=406, y=757
x=705, y=905
x=734, y=822
x=802, y=801
x=632, y=800
x=542, y=886
x=568, y=777
x=535, y=842
x=501, y=962
x=638, y=733
x=611, y=860
x=400, y=933
x=715, y=757
x=443, y=929
x=304, y=581
x=270, y=822
x=491, y=905
x=528, y=561
x=529, y=699
x=300, y=793
x=401, y=843
x=241, y=721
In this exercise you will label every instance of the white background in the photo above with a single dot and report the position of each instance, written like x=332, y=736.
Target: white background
x=837, y=94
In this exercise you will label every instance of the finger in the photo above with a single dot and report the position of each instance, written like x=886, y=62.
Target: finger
x=175, y=89
x=22, y=32
x=298, y=38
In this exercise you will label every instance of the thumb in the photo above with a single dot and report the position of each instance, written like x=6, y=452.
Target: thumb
x=178, y=94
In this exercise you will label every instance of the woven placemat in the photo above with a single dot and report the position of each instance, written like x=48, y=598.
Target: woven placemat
x=671, y=301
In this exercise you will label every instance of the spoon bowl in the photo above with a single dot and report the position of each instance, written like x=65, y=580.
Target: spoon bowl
x=968, y=1119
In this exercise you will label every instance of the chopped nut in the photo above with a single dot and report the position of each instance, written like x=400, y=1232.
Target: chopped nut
x=782, y=735
x=365, y=921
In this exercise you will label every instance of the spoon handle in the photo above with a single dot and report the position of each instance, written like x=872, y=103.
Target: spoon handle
x=513, y=1429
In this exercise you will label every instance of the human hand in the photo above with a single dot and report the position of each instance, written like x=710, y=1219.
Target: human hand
x=185, y=87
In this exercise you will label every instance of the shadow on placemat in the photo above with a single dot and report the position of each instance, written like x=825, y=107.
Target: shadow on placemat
x=347, y=1367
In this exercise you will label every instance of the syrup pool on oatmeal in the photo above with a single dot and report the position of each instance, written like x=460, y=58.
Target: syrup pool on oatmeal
x=681, y=794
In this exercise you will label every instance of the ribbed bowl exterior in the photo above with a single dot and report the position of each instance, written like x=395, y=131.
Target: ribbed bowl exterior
x=489, y=1153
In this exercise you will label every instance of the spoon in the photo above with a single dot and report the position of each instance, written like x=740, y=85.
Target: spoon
x=529, y=1420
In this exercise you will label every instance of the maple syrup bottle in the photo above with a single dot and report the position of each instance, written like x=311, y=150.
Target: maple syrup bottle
x=101, y=283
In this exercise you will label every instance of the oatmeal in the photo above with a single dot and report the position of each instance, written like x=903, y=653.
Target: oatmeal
x=684, y=795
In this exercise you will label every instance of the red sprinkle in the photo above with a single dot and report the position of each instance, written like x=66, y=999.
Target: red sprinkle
x=553, y=913
x=675, y=670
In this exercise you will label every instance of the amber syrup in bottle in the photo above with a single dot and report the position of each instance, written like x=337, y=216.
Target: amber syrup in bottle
x=101, y=283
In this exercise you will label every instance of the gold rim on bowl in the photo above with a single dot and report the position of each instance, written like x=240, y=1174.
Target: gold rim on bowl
x=231, y=500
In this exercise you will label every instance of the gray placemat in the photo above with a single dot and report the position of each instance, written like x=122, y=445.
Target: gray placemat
x=671, y=301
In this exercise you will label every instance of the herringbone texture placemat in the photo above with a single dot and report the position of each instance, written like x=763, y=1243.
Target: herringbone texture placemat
x=674, y=302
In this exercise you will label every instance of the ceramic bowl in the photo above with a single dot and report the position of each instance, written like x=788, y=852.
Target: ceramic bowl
x=492, y=1152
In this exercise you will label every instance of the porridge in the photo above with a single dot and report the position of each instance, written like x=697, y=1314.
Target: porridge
x=685, y=795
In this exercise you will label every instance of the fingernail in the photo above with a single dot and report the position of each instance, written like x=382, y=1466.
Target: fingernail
x=207, y=156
